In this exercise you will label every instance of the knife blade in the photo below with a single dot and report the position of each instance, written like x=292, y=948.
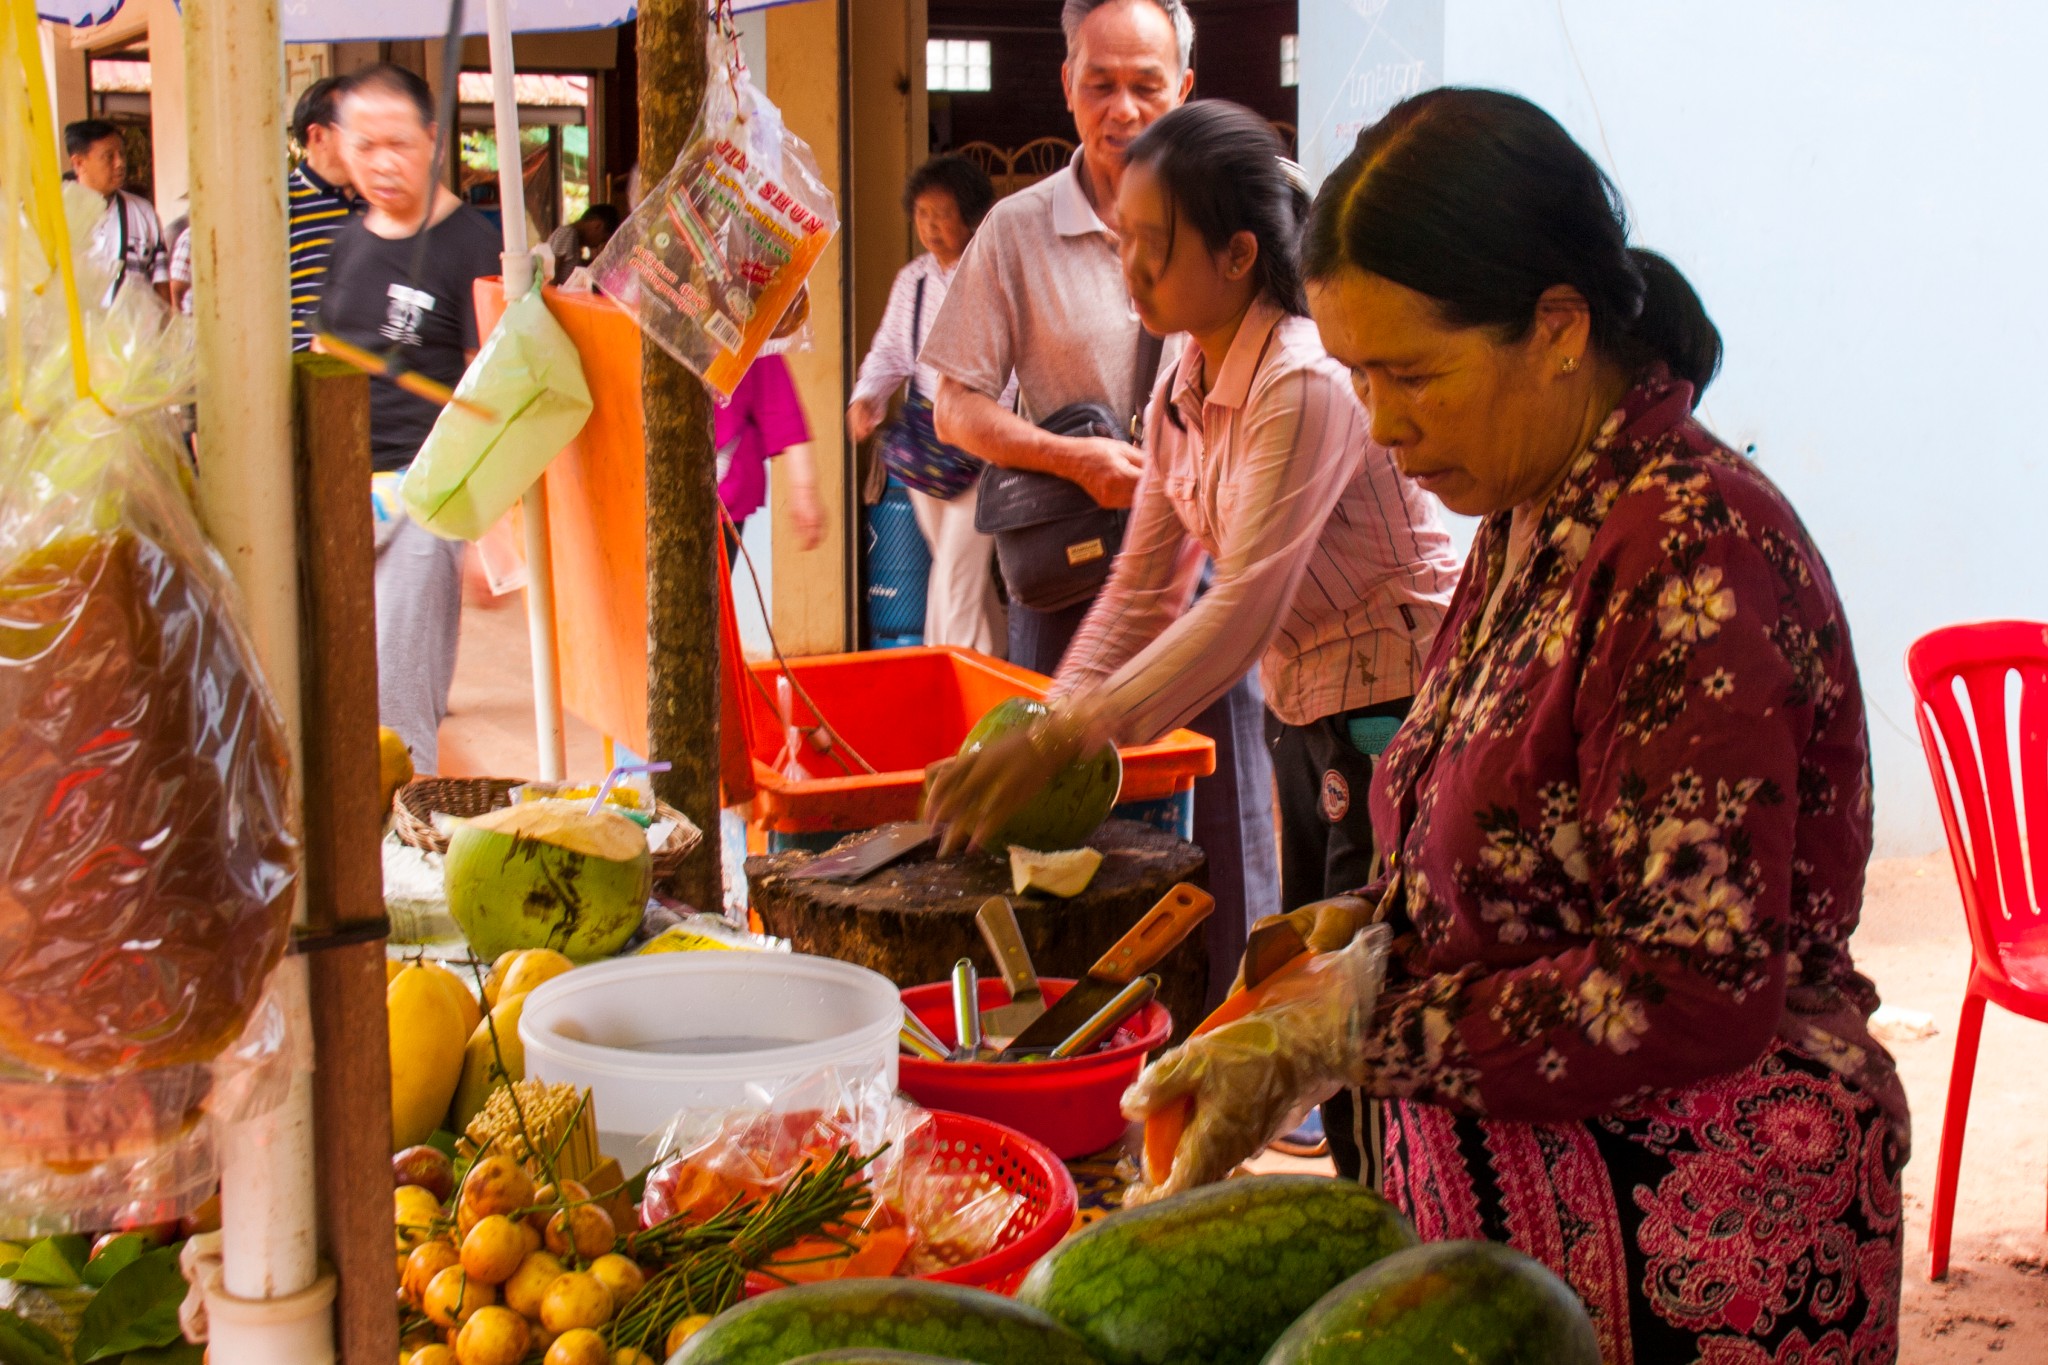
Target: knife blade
x=1106, y=1020
x=1137, y=952
x=869, y=856
x=1005, y=940
x=918, y=1040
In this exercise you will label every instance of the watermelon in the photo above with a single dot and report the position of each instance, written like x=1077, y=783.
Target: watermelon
x=862, y=1355
x=919, y=1316
x=1477, y=1303
x=1073, y=805
x=1216, y=1274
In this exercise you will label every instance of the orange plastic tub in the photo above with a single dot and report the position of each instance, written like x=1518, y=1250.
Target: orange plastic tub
x=901, y=710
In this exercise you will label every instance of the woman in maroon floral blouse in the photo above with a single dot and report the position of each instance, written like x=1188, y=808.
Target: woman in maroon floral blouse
x=1630, y=810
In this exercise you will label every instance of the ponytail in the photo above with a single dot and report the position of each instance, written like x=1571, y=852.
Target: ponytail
x=1673, y=327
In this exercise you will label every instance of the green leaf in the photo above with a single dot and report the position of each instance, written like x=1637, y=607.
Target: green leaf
x=24, y=1343
x=443, y=1142
x=114, y=1258
x=178, y=1353
x=54, y=1262
x=137, y=1309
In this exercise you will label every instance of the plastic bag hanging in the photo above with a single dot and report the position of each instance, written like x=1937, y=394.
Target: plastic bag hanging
x=472, y=470
x=147, y=848
x=717, y=254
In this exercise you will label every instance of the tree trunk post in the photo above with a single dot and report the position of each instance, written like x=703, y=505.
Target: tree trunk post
x=682, y=486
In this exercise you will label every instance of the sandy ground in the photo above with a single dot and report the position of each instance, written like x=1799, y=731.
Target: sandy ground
x=1994, y=1305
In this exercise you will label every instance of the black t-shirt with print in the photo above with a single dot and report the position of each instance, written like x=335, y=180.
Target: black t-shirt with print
x=429, y=323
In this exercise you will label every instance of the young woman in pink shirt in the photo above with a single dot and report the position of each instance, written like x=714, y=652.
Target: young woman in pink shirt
x=1331, y=570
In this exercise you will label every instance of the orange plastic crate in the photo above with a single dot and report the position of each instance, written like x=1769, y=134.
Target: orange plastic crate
x=901, y=710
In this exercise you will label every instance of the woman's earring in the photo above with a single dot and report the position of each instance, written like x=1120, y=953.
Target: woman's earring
x=1571, y=364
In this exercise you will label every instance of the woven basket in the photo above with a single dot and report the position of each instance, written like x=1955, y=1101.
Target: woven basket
x=417, y=802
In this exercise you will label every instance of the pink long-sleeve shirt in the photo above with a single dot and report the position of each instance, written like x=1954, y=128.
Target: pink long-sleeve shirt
x=1332, y=572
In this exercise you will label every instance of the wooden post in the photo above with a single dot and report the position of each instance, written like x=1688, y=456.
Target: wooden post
x=343, y=877
x=683, y=535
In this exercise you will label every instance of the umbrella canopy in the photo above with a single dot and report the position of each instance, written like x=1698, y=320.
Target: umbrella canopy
x=350, y=21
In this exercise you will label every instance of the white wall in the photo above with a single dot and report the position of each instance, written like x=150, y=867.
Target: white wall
x=1858, y=192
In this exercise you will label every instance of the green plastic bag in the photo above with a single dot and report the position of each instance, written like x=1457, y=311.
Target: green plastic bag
x=470, y=471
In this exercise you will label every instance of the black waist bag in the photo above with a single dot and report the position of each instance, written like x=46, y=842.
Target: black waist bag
x=1054, y=543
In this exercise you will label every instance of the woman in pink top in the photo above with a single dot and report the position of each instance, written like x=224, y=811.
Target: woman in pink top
x=1332, y=571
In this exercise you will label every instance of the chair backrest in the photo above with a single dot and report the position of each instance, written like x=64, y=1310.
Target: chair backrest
x=1988, y=752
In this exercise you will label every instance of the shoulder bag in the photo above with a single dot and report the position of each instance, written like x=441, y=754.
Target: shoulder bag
x=911, y=448
x=1054, y=542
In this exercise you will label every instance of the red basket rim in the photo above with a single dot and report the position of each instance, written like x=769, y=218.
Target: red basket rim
x=1149, y=1039
x=1054, y=1220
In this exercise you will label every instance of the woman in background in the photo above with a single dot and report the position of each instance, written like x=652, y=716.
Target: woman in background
x=947, y=197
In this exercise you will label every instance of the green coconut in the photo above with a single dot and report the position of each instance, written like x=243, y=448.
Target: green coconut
x=1073, y=805
x=548, y=874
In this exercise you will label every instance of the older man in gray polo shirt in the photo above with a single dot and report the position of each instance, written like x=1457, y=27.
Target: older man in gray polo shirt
x=1040, y=295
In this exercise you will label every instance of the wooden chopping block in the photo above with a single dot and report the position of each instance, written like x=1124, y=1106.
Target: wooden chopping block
x=914, y=919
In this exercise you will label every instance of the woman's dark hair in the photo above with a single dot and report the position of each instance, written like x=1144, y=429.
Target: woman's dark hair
x=1481, y=201
x=955, y=175
x=1223, y=170
x=601, y=212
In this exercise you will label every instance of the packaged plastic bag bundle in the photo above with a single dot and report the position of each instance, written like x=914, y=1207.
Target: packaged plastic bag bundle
x=147, y=847
x=717, y=254
x=472, y=469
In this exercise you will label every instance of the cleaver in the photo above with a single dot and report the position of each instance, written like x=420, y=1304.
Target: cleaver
x=1136, y=953
x=870, y=855
x=1006, y=941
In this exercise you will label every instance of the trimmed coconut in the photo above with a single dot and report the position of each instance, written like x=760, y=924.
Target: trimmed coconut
x=549, y=874
x=1064, y=874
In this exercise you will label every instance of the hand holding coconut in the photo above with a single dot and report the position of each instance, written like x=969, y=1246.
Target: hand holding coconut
x=1027, y=775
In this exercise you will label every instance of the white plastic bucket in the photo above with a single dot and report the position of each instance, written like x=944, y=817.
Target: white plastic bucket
x=655, y=1036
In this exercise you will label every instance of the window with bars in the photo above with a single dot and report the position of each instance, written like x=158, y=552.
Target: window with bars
x=1290, y=61
x=956, y=64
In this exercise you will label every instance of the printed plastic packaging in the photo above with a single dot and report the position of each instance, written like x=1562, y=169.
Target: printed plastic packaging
x=714, y=259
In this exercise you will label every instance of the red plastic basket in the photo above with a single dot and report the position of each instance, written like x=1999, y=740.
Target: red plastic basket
x=1072, y=1106
x=965, y=1145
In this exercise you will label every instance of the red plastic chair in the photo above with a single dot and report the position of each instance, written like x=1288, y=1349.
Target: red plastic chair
x=1998, y=843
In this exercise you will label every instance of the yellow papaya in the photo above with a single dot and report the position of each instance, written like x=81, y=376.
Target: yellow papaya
x=459, y=992
x=426, y=1054
x=481, y=1073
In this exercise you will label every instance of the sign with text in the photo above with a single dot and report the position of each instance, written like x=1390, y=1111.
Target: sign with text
x=1359, y=58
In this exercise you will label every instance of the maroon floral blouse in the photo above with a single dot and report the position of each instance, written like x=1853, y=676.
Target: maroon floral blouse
x=1631, y=823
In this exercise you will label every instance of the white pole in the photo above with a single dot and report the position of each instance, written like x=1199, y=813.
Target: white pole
x=518, y=272
x=234, y=119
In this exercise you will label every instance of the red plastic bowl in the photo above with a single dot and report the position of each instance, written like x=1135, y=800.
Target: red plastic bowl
x=1071, y=1106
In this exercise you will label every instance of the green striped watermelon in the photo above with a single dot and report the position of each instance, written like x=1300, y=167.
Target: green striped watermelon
x=920, y=1316
x=1476, y=1303
x=1213, y=1276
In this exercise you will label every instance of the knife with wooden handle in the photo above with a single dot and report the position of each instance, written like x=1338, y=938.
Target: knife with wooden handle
x=1006, y=941
x=1137, y=952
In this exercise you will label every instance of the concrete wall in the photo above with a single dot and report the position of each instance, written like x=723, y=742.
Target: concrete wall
x=1855, y=189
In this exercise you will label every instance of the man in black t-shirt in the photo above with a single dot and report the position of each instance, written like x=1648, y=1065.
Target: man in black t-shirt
x=386, y=296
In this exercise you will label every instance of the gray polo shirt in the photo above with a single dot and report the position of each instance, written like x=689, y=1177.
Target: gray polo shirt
x=1040, y=294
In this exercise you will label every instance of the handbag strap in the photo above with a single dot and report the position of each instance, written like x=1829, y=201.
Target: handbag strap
x=916, y=326
x=1150, y=348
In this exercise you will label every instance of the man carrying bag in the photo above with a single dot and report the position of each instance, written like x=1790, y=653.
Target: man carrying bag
x=1040, y=295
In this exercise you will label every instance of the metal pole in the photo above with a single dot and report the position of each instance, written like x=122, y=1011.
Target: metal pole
x=234, y=66
x=518, y=273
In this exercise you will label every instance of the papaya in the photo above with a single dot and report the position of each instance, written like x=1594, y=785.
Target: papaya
x=426, y=1054
x=1073, y=805
x=1213, y=1276
x=464, y=998
x=1478, y=1303
x=481, y=1073
x=947, y=1320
